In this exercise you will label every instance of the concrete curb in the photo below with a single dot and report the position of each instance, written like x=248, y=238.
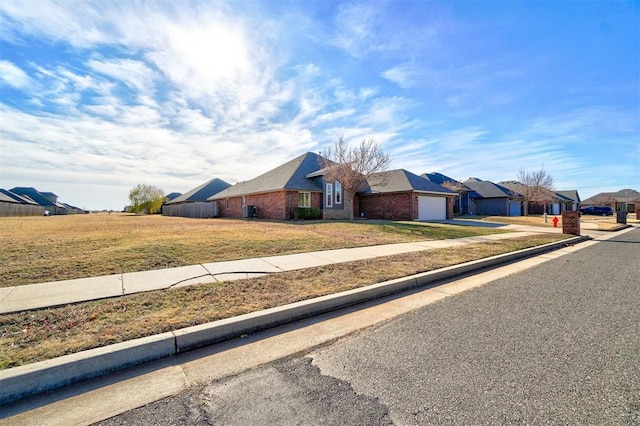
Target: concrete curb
x=23, y=381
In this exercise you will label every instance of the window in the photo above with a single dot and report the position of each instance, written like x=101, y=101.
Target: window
x=304, y=199
x=338, y=193
x=329, y=195
x=226, y=203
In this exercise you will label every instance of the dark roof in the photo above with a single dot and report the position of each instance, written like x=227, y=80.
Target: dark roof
x=10, y=197
x=622, y=196
x=439, y=178
x=288, y=176
x=401, y=180
x=570, y=195
x=202, y=192
x=558, y=196
x=486, y=189
x=172, y=196
x=35, y=195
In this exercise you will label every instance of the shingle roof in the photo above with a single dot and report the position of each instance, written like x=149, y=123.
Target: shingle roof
x=570, y=195
x=486, y=189
x=172, y=196
x=288, y=176
x=401, y=180
x=11, y=197
x=439, y=178
x=202, y=192
x=34, y=194
x=519, y=188
x=622, y=196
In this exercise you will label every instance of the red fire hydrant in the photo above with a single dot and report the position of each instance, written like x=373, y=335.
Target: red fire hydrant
x=555, y=222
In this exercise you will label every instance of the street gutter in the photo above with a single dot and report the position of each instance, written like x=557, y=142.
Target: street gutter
x=19, y=382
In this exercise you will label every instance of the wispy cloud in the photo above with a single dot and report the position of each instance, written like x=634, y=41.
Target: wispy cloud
x=175, y=93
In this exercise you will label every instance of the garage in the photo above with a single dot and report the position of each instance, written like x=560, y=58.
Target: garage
x=432, y=208
x=515, y=208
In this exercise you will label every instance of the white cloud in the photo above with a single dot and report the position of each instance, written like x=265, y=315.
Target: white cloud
x=13, y=76
x=402, y=75
x=135, y=74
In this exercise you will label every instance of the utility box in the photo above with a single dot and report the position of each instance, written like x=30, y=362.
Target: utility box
x=248, y=211
x=622, y=217
x=571, y=222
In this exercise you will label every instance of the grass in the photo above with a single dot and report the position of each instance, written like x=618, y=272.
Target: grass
x=41, y=249
x=38, y=335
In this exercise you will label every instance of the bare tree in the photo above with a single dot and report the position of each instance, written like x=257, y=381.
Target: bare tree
x=537, y=187
x=458, y=188
x=353, y=165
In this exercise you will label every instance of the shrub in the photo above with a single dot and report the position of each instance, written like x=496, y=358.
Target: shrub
x=308, y=213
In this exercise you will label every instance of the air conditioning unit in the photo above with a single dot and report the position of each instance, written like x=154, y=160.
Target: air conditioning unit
x=248, y=211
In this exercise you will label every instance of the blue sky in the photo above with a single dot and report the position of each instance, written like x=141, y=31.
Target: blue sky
x=98, y=96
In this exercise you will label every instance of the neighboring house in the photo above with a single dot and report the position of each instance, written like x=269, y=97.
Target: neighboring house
x=402, y=195
x=461, y=205
x=194, y=203
x=12, y=204
x=546, y=201
x=625, y=199
x=48, y=200
x=172, y=196
x=573, y=198
x=490, y=199
x=278, y=194
x=286, y=191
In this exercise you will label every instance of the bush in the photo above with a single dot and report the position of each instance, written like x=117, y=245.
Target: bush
x=308, y=213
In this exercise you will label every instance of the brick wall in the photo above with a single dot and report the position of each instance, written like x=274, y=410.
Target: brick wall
x=389, y=206
x=278, y=205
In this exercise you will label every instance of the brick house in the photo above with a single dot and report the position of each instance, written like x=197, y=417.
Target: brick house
x=284, y=192
x=278, y=194
x=402, y=195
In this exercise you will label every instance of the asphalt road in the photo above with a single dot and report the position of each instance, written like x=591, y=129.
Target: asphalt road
x=556, y=344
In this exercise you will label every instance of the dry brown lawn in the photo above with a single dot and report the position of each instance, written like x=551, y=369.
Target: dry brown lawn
x=32, y=336
x=41, y=249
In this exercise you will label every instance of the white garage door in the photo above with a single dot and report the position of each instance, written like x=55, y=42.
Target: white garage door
x=432, y=208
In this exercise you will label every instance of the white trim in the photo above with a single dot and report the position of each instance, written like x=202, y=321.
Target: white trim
x=338, y=196
x=328, y=196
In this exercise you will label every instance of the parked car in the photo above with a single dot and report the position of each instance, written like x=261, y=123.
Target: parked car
x=597, y=211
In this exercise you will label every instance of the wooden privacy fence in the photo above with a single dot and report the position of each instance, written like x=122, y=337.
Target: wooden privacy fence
x=197, y=210
x=14, y=209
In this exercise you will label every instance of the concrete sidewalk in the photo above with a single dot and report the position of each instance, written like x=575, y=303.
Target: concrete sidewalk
x=20, y=382
x=35, y=296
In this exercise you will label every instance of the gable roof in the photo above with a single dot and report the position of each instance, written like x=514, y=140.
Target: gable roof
x=289, y=176
x=172, y=196
x=622, y=196
x=557, y=196
x=486, y=189
x=35, y=195
x=401, y=180
x=570, y=195
x=202, y=192
x=10, y=197
x=439, y=178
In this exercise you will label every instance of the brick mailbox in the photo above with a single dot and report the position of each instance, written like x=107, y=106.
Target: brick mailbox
x=571, y=222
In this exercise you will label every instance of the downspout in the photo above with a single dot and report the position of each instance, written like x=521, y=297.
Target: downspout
x=411, y=206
